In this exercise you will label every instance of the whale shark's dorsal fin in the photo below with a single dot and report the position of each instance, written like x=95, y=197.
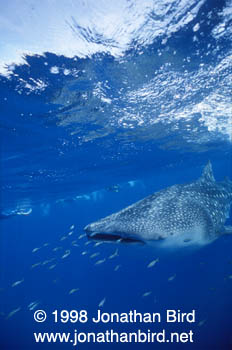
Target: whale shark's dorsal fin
x=207, y=174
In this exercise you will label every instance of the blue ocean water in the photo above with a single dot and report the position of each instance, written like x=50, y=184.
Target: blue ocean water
x=138, y=100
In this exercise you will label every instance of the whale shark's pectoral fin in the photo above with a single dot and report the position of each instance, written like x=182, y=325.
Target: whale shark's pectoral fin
x=228, y=230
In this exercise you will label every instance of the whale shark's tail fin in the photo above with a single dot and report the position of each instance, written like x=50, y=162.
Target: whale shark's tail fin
x=207, y=174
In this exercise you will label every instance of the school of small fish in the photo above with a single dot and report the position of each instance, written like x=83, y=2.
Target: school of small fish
x=60, y=253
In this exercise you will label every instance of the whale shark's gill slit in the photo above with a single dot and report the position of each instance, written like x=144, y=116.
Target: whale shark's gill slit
x=113, y=238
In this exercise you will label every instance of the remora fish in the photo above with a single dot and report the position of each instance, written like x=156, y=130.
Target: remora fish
x=180, y=215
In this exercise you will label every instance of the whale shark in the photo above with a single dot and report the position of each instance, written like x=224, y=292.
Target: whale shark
x=183, y=214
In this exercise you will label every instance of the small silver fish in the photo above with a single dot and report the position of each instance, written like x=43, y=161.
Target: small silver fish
x=12, y=313
x=36, y=249
x=56, y=248
x=74, y=290
x=152, y=263
x=97, y=244
x=63, y=238
x=94, y=255
x=201, y=322
x=71, y=227
x=74, y=243
x=82, y=236
x=17, y=283
x=146, y=294
x=33, y=305
x=52, y=267
x=66, y=254
x=47, y=261
x=117, y=267
x=84, y=252
x=114, y=254
x=100, y=261
x=36, y=264
x=102, y=302
x=171, y=278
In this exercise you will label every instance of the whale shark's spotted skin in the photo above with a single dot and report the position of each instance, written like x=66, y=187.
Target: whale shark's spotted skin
x=186, y=214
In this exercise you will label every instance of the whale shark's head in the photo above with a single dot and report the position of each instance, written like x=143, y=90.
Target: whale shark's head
x=106, y=229
x=97, y=227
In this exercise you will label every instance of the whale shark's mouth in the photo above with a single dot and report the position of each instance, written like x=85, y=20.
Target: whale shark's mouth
x=117, y=237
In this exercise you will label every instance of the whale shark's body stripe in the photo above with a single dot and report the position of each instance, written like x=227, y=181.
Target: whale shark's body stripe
x=192, y=213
